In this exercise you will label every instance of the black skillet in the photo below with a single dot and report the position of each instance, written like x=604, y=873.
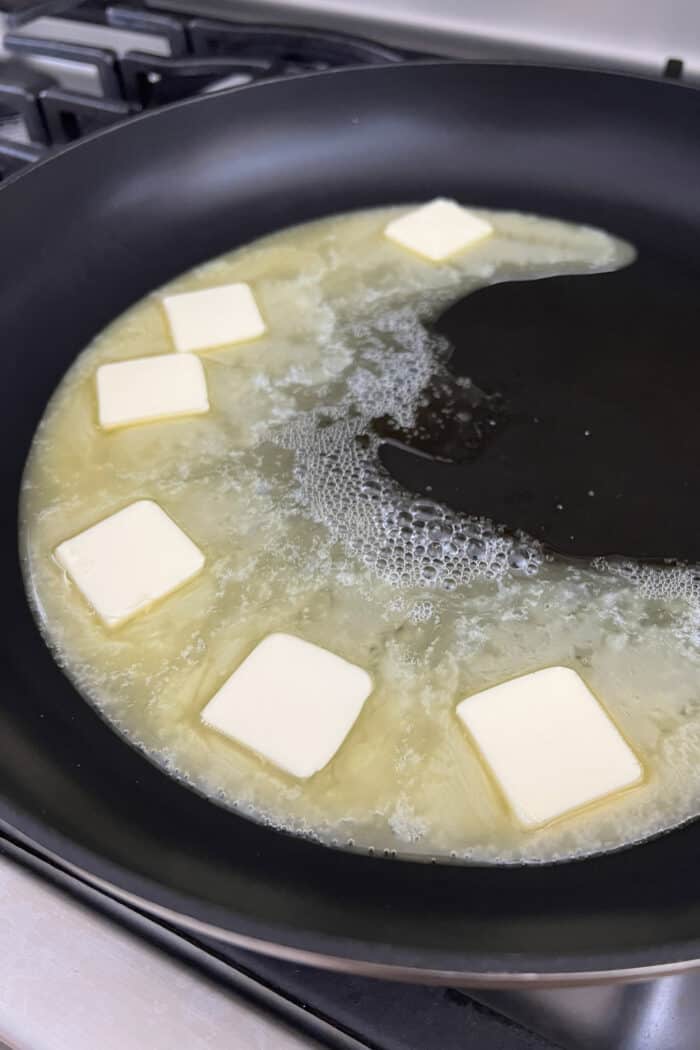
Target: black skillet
x=84, y=235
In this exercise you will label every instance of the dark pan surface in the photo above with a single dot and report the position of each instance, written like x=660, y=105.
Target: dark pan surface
x=591, y=436
x=86, y=234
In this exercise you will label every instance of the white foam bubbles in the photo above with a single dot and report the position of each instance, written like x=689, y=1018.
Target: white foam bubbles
x=340, y=481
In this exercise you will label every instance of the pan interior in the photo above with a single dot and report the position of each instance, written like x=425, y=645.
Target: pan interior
x=619, y=153
x=304, y=531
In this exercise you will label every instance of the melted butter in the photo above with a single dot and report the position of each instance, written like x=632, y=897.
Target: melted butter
x=304, y=531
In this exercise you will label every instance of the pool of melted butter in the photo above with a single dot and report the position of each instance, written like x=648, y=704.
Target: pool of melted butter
x=304, y=532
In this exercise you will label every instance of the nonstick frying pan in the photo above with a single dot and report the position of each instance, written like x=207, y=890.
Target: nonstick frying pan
x=90, y=231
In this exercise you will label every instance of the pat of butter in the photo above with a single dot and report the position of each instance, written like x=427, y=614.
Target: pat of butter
x=129, y=560
x=438, y=230
x=213, y=317
x=549, y=744
x=150, y=388
x=290, y=701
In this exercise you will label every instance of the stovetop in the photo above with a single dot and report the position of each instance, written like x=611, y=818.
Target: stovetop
x=78, y=969
x=62, y=78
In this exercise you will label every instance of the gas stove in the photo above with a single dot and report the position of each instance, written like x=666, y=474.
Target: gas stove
x=77, y=967
x=64, y=77
x=93, y=64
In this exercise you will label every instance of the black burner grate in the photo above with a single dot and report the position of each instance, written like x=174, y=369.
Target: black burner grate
x=201, y=55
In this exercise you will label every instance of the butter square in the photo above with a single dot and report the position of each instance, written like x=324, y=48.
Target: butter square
x=213, y=317
x=130, y=560
x=291, y=702
x=145, y=389
x=549, y=744
x=438, y=230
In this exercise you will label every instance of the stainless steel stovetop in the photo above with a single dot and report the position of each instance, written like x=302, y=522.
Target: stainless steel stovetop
x=79, y=970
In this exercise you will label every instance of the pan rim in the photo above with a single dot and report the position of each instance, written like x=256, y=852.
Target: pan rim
x=144, y=115
x=140, y=893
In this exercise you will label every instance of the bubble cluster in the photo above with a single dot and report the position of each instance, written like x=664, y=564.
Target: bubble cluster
x=398, y=357
x=340, y=482
x=665, y=583
x=422, y=612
